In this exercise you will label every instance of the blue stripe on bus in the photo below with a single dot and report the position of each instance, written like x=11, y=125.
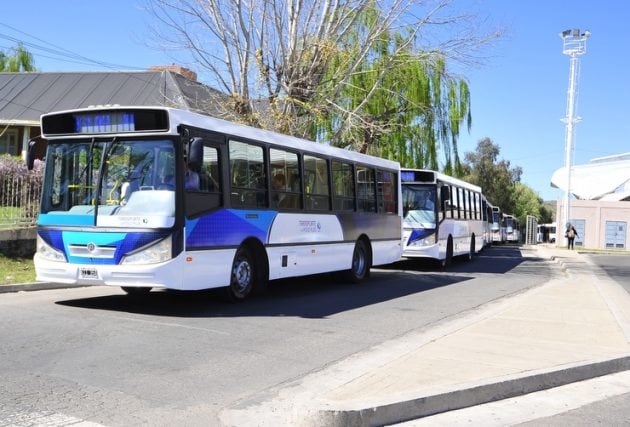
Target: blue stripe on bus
x=65, y=219
x=123, y=242
x=228, y=228
x=420, y=234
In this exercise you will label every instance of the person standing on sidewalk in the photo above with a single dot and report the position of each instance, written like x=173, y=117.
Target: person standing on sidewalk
x=570, y=234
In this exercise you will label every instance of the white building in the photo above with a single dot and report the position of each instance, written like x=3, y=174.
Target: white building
x=600, y=206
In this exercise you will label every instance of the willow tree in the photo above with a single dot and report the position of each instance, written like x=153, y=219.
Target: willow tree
x=321, y=68
x=17, y=61
x=399, y=104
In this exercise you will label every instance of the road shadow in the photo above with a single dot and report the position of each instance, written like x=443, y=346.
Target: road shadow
x=493, y=260
x=309, y=297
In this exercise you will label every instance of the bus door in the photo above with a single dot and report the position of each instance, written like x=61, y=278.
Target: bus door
x=203, y=176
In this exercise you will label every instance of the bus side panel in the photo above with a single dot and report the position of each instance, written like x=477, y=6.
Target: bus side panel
x=227, y=227
x=206, y=269
x=302, y=260
x=376, y=227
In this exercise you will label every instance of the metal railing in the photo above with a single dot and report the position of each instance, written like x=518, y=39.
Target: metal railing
x=19, y=200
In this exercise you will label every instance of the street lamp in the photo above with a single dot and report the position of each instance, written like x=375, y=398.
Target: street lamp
x=574, y=45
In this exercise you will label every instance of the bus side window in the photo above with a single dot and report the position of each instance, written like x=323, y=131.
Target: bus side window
x=209, y=173
x=366, y=189
x=208, y=195
x=317, y=193
x=285, y=179
x=248, y=175
x=343, y=186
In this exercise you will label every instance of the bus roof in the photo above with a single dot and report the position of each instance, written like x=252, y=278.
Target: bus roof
x=178, y=117
x=430, y=176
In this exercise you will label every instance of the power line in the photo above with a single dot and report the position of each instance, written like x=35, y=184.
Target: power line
x=61, y=54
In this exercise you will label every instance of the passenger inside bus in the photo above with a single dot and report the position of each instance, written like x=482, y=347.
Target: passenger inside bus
x=192, y=176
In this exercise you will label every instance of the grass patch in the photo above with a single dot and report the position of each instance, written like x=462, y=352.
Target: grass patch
x=16, y=270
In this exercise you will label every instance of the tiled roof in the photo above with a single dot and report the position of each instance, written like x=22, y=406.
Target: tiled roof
x=24, y=97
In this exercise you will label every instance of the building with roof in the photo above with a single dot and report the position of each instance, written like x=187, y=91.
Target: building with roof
x=24, y=97
x=600, y=203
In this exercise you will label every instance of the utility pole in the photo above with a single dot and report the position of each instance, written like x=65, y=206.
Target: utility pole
x=574, y=45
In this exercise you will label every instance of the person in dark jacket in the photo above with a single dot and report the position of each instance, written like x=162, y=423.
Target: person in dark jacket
x=570, y=234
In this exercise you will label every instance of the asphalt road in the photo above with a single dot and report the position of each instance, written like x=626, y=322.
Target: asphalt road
x=98, y=355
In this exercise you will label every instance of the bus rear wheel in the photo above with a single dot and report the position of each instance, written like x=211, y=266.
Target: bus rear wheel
x=243, y=275
x=360, y=268
x=471, y=252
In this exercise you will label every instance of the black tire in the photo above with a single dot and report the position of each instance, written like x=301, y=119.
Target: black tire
x=243, y=276
x=135, y=290
x=448, y=259
x=361, y=263
x=471, y=252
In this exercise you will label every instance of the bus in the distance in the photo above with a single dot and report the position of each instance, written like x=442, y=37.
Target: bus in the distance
x=547, y=233
x=512, y=229
x=442, y=216
x=499, y=232
x=486, y=207
x=143, y=197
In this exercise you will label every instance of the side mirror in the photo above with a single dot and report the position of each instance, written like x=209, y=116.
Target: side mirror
x=33, y=146
x=195, y=152
x=445, y=194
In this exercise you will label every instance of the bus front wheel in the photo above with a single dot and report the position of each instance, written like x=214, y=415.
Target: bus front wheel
x=448, y=258
x=135, y=290
x=242, y=276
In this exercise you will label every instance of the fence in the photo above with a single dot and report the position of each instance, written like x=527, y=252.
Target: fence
x=19, y=200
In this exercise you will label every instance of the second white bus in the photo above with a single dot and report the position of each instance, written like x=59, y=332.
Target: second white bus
x=442, y=216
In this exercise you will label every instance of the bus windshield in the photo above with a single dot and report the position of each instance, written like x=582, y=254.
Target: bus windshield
x=419, y=205
x=110, y=183
x=496, y=220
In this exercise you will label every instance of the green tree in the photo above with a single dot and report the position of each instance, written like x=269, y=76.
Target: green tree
x=18, y=61
x=526, y=202
x=360, y=74
x=496, y=177
x=399, y=104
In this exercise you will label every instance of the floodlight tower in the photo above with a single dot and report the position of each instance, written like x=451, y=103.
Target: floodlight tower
x=574, y=45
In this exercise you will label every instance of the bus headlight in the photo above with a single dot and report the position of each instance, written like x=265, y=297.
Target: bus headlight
x=49, y=253
x=158, y=252
x=421, y=242
x=425, y=241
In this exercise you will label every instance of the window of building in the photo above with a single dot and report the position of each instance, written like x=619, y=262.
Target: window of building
x=8, y=142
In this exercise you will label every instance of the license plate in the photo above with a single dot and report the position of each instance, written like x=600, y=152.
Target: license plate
x=88, y=273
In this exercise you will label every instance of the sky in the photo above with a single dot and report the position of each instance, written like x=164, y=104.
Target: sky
x=519, y=91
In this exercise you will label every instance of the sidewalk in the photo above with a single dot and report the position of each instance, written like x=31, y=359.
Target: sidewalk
x=567, y=330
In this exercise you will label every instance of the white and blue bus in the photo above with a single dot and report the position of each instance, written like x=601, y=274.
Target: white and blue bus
x=443, y=216
x=486, y=207
x=499, y=232
x=117, y=208
x=512, y=229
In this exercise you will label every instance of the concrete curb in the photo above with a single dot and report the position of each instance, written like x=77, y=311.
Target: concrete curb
x=471, y=396
x=35, y=286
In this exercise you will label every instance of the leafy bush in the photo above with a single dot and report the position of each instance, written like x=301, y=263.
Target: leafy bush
x=18, y=185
